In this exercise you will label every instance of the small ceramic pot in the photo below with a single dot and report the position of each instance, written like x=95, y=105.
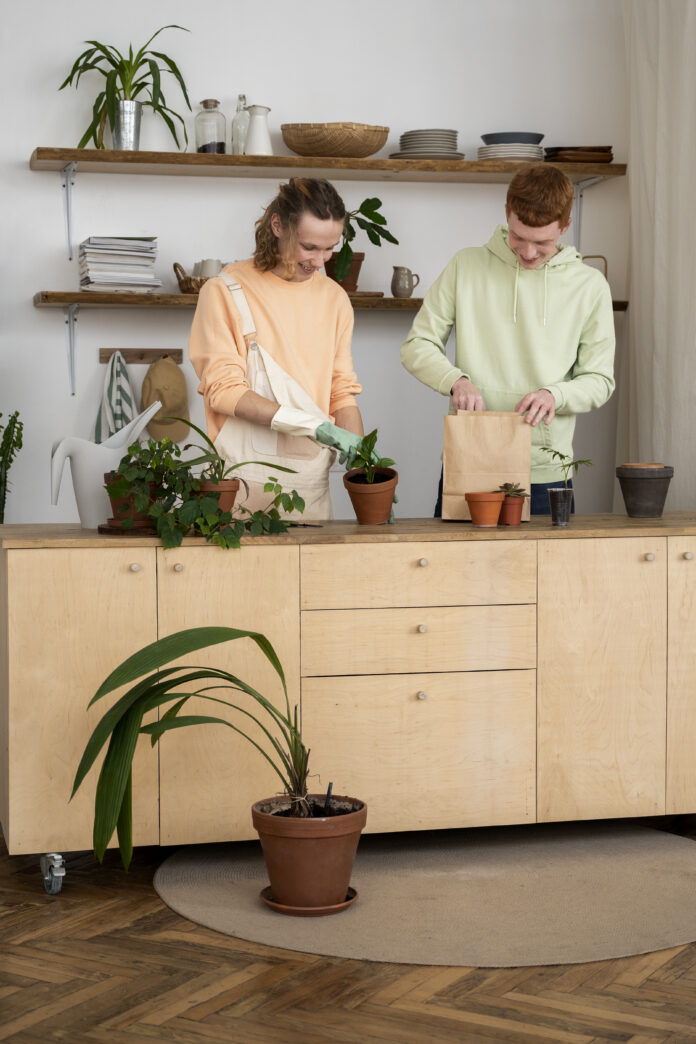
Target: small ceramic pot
x=227, y=488
x=372, y=501
x=511, y=511
x=350, y=282
x=485, y=508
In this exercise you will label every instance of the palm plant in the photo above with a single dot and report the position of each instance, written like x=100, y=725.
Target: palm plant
x=10, y=444
x=122, y=724
x=127, y=78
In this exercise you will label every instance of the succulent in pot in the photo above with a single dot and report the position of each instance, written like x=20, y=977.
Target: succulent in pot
x=513, y=504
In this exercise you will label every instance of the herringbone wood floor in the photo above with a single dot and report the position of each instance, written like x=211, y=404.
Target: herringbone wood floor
x=107, y=961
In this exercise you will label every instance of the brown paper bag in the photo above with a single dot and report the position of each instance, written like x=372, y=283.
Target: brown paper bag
x=482, y=449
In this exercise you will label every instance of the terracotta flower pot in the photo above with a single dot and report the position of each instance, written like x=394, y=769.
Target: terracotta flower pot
x=227, y=488
x=309, y=861
x=485, y=508
x=644, y=488
x=350, y=283
x=511, y=511
x=123, y=508
x=372, y=501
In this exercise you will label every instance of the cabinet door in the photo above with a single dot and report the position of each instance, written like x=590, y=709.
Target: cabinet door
x=601, y=678
x=681, y=676
x=210, y=776
x=426, y=751
x=73, y=615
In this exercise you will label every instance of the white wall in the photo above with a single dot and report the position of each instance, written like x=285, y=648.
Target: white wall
x=555, y=66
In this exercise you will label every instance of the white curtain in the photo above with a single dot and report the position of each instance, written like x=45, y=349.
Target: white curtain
x=657, y=375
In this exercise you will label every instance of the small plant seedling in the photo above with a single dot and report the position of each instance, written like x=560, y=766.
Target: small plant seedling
x=567, y=463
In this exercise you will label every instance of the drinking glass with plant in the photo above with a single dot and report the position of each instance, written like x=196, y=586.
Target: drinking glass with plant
x=561, y=498
x=135, y=77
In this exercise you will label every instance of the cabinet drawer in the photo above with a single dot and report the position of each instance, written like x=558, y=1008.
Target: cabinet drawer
x=374, y=576
x=427, y=751
x=396, y=641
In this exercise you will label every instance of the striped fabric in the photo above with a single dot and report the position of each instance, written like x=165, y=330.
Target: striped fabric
x=118, y=400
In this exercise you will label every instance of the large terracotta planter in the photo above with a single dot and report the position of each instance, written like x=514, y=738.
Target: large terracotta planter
x=227, y=488
x=644, y=488
x=372, y=501
x=350, y=283
x=511, y=511
x=485, y=508
x=309, y=861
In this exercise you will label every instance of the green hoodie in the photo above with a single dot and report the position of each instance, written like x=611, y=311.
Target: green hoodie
x=518, y=330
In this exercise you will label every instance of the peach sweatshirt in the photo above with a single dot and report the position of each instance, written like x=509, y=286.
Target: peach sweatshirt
x=306, y=327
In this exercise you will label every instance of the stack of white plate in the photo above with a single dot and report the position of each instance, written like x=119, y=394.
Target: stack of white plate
x=511, y=145
x=428, y=144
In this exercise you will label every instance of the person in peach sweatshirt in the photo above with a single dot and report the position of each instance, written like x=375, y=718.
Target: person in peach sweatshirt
x=271, y=345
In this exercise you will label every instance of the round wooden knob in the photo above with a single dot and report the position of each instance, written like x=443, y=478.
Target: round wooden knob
x=650, y=557
x=422, y=561
x=135, y=567
x=422, y=695
x=178, y=567
x=688, y=555
x=422, y=628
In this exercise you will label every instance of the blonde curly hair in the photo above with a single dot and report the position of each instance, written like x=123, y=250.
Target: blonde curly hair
x=295, y=198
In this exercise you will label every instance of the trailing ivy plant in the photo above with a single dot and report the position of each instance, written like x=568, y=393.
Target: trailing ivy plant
x=368, y=218
x=10, y=445
x=132, y=77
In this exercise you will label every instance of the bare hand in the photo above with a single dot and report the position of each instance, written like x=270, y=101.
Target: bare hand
x=538, y=405
x=465, y=396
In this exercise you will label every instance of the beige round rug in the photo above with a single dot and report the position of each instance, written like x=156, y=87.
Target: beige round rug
x=495, y=897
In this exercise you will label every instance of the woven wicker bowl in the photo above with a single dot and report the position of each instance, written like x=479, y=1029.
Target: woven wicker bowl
x=334, y=139
x=188, y=284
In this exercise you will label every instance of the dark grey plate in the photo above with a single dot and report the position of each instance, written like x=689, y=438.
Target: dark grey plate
x=507, y=137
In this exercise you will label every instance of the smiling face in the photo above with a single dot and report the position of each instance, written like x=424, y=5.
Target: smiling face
x=533, y=247
x=311, y=244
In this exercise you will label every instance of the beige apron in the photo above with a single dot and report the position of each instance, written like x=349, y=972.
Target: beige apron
x=240, y=440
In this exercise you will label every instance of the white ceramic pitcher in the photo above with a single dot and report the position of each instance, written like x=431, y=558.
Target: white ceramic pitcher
x=258, y=139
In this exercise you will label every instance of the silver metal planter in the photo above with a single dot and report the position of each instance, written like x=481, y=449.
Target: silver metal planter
x=126, y=131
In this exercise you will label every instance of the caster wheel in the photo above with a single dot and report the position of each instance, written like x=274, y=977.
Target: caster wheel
x=53, y=872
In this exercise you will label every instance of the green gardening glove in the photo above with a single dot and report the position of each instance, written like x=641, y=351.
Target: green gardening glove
x=344, y=441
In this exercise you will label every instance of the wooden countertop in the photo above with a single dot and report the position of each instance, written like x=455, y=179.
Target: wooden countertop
x=675, y=523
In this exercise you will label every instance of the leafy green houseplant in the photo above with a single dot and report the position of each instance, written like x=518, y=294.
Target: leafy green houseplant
x=368, y=218
x=10, y=445
x=371, y=483
x=273, y=730
x=128, y=77
x=561, y=498
x=567, y=464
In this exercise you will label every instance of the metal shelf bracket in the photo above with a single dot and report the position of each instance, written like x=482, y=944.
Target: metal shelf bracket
x=576, y=227
x=67, y=180
x=70, y=313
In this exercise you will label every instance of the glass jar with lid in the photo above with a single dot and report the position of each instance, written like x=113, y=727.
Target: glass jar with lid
x=211, y=127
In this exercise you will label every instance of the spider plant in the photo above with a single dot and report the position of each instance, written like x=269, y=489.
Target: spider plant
x=123, y=722
x=128, y=77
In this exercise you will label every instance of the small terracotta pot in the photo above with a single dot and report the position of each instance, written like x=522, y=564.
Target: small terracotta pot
x=485, y=508
x=511, y=511
x=227, y=488
x=372, y=501
x=309, y=861
x=123, y=508
x=350, y=283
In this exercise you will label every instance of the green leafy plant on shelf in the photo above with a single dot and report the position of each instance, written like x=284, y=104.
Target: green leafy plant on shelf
x=566, y=463
x=132, y=77
x=10, y=445
x=368, y=218
x=366, y=458
x=276, y=732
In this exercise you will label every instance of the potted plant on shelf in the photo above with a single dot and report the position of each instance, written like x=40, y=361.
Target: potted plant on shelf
x=644, y=488
x=344, y=266
x=561, y=497
x=371, y=483
x=513, y=503
x=131, y=82
x=10, y=445
x=309, y=840
x=485, y=507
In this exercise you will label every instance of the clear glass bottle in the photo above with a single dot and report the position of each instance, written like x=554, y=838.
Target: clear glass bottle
x=211, y=127
x=240, y=126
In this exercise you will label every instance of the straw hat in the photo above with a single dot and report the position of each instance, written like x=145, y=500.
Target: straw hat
x=165, y=381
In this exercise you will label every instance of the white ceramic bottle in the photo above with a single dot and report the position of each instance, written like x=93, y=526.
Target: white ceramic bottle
x=258, y=140
x=240, y=127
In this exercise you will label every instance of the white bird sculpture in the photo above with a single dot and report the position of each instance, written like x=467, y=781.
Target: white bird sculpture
x=89, y=461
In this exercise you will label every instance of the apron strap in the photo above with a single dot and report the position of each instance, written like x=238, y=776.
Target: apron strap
x=248, y=326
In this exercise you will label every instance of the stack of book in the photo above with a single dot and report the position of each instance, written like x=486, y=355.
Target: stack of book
x=119, y=263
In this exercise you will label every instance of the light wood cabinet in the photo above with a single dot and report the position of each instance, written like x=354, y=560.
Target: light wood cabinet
x=602, y=678
x=681, y=675
x=209, y=775
x=70, y=616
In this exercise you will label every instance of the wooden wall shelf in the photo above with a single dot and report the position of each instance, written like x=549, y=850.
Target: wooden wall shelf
x=193, y=164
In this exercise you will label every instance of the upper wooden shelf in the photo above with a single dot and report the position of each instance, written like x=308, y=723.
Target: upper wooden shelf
x=109, y=161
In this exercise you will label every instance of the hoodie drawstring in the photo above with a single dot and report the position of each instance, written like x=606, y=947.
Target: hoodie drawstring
x=546, y=272
x=514, y=302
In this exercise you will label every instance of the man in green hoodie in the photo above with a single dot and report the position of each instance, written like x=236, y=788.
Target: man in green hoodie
x=534, y=325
